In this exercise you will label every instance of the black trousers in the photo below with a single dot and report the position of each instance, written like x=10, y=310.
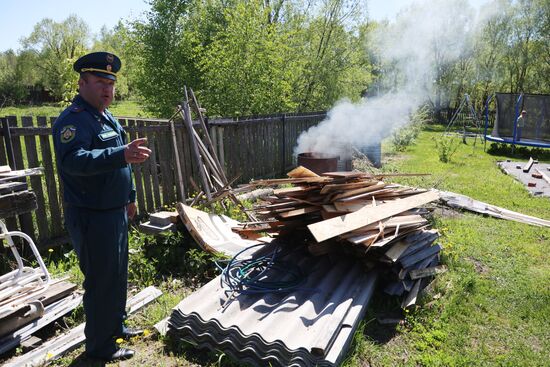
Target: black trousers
x=100, y=240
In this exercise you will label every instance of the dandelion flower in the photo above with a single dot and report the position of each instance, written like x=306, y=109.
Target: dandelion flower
x=119, y=341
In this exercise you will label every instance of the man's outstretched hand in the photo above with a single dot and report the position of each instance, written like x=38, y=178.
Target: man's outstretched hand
x=135, y=152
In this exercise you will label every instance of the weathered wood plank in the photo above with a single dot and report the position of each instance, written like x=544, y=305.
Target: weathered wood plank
x=51, y=185
x=3, y=156
x=528, y=166
x=145, y=169
x=427, y=272
x=36, y=184
x=153, y=167
x=167, y=170
x=17, y=203
x=25, y=219
x=136, y=168
x=333, y=227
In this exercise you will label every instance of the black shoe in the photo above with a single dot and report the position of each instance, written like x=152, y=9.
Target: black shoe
x=121, y=354
x=128, y=333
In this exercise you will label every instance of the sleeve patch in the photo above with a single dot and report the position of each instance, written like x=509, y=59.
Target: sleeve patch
x=68, y=133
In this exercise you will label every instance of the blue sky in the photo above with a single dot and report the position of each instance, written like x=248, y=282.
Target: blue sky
x=18, y=17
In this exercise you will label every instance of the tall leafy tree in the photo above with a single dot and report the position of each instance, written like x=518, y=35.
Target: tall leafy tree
x=57, y=45
x=244, y=68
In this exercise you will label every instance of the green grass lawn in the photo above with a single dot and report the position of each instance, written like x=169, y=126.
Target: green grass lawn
x=118, y=108
x=492, y=308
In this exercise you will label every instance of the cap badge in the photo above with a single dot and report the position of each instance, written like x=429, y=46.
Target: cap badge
x=109, y=68
x=110, y=58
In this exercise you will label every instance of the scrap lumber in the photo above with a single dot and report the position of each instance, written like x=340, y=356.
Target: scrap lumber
x=464, y=202
x=51, y=313
x=69, y=341
x=333, y=227
x=528, y=166
x=301, y=171
x=358, y=215
x=213, y=232
x=543, y=175
x=422, y=273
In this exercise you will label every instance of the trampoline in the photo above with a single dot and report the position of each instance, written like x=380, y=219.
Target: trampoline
x=536, y=129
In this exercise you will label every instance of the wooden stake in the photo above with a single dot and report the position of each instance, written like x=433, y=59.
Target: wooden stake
x=186, y=114
x=181, y=186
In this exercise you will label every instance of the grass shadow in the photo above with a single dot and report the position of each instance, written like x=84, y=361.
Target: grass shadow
x=386, y=314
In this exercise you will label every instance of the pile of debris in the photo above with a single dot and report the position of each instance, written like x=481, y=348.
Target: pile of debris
x=332, y=238
x=29, y=298
x=359, y=215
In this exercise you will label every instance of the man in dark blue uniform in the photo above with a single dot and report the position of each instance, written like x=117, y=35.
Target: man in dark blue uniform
x=93, y=160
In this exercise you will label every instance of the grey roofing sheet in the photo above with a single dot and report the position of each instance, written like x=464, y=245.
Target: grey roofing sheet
x=312, y=325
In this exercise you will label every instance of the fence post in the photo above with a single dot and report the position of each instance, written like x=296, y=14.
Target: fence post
x=283, y=150
x=7, y=141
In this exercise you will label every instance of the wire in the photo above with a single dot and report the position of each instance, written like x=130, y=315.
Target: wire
x=262, y=274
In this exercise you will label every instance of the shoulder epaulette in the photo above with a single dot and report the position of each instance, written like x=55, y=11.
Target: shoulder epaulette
x=76, y=108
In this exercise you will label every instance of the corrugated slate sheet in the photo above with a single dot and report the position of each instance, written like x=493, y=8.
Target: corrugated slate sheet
x=310, y=326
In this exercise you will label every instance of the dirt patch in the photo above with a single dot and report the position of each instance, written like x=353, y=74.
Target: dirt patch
x=479, y=266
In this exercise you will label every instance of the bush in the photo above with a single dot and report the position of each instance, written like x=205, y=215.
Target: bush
x=446, y=147
x=403, y=137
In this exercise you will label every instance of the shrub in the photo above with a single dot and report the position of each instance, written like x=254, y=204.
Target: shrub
x=446, y=147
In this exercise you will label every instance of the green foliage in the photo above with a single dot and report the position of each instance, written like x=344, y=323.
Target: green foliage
x=404, y=136
x=56, y=46
x=250, y=57
x=63, y=261
x=245, y=66
x=446, y=146
x=141, y=269
x=12, y=88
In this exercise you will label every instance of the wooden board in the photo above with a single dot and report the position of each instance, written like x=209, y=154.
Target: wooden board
x=350, y=193
x=213, y=232
x=528, y=166
x=336, y=226
x=347, y=186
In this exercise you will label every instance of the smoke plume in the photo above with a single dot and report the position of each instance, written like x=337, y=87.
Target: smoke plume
x=414, y=49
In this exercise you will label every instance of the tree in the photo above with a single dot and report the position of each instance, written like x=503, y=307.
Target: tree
x=12, y=89
x=251, y=56
x=244, y=68
x=163, y=52
x=119, y=42
x=57, y=46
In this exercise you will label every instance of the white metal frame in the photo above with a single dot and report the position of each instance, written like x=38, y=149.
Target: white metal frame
x=23, y=282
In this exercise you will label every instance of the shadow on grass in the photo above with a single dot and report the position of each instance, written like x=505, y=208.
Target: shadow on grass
x=83, y=361
x=383, y=308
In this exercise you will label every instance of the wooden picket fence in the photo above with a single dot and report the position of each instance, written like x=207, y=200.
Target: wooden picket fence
x=260, y=147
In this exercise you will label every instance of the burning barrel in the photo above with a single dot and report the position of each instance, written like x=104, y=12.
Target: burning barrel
x=318, y=162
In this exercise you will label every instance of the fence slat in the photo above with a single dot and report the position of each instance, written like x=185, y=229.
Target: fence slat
x=181, y=154
x=25, y=220
x=36, y=184
x=166, y=169
x=3, y=155
x=51, y=185
x=146, y=172
x=154, y=170
x=136, y=168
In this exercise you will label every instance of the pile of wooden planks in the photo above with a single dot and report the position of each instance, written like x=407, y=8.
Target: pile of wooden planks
x=358, y=214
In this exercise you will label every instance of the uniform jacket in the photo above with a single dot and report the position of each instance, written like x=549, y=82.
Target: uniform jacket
x=90, y=147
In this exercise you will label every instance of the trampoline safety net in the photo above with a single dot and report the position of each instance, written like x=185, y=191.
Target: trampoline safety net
x=537, y=121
